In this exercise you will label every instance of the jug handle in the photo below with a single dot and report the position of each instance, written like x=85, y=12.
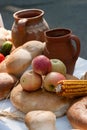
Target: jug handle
x=77, y=42
x=22, y=25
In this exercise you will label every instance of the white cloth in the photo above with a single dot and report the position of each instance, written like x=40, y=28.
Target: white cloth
x=1, y=21
x=61, y=123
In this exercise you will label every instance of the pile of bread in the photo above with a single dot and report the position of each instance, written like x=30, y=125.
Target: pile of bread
x=41, y=107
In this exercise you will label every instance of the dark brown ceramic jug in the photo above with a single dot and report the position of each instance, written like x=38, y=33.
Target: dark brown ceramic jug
x=29, y=24
x=60, y=45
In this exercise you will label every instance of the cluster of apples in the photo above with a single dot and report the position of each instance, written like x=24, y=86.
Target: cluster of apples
x=45, y=73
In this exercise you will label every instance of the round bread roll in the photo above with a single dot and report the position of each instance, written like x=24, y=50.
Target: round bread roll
x=71, y=77
x=77, y=114
x=84, y=77
x=40, y=120
x=7, y=82
x=39, y=100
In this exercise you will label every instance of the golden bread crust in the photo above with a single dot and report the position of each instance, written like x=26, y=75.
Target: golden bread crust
x=77, y=114
x=39, y=100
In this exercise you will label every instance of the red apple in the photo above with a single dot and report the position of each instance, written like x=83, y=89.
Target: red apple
x=30, y=81
x=51, y=80
x=58, y=66
x=41, y=65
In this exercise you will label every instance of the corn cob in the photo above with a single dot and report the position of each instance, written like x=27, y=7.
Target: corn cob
x=72, y=88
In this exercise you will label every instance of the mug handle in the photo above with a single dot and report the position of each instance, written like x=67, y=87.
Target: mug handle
x=77, y=42
x=22, y=24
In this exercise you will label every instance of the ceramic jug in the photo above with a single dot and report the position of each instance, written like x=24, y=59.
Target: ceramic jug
x=63, y=45
x=29, y=24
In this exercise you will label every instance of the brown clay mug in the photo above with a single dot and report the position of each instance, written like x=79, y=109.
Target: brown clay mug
x=29, y=24
x=60, y=45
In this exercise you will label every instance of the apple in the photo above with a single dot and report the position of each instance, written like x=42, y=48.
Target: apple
x=51, y=80
x=30, y=81
x=41, y=65
x=58, y=66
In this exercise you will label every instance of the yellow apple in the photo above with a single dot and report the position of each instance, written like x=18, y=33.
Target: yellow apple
x=58, y=66
x=30, y=81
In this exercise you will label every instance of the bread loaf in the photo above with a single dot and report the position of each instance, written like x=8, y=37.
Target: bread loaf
x=39, y=100
x=40, y=120
x=4, y=35
x=20, y=59
x=7, y=82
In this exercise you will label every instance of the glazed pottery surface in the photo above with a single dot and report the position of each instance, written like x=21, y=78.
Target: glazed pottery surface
x=63, y=45
x=29, y=24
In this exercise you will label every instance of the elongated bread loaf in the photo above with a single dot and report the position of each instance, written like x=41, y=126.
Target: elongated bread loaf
x=20, y=59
